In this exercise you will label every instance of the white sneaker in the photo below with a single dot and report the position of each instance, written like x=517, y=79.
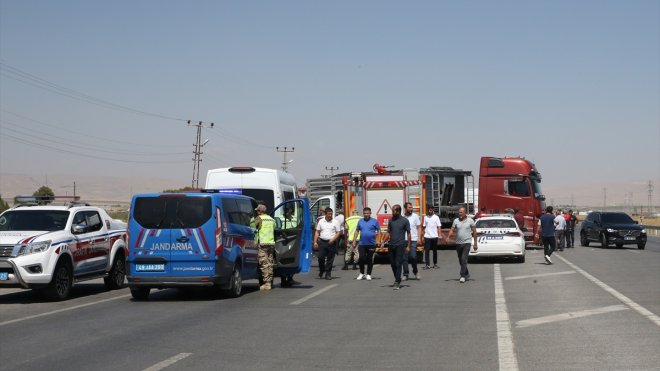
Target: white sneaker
x=405, y=278
x=547, y=259
x=418, y=276
x=368, y=277
x=462, y=280
x=360, y=276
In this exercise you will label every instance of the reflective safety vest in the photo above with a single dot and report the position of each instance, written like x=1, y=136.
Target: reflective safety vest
x=266, y=230
x=351, y=223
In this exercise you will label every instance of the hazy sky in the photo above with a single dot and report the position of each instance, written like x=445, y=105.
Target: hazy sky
x=106, y=87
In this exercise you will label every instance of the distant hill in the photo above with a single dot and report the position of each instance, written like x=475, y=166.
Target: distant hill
x=89, y=188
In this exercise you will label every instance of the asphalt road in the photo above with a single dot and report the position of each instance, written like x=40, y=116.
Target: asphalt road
x=594, y=309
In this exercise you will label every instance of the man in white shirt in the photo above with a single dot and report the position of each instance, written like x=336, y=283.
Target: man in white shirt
x=325, y=238
x=432, y=232
x=415, y=232
x=560, y=229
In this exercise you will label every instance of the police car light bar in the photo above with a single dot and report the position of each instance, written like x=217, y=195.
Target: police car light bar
x=228, y=191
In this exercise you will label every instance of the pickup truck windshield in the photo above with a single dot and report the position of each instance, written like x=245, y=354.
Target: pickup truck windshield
x=34, y=220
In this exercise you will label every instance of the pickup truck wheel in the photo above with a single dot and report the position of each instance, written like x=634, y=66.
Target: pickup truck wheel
x=115, y=279
x=641, y=246
x=235, y=283
x=521, y=259
x=140, y=293
x=583, y=239
x=603, y=240
x=62, y=281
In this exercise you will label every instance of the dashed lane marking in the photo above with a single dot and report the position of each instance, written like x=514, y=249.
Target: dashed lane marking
x=570, y=315
x=505, y=349
x=167, y=362
x=539, y=275
x=62, y=310
x=624, y=299
x=314, y=294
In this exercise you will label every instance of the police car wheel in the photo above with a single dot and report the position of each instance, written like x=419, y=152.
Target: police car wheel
x=60, y=286
x=236, y=283
x=140, y=293
x=115, y=279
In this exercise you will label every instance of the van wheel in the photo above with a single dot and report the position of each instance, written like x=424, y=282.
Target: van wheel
x=619, y=245
x=140, y=293
x=115, y=279
x=583, y=239
x=235, y=283
x=641, y=246
x=60, y=286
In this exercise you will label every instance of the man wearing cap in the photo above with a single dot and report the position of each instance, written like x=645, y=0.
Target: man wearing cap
x=265, y=226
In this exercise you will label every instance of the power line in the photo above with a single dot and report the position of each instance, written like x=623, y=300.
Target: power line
x=38, y=82
x=198, y=152
x=285, y=150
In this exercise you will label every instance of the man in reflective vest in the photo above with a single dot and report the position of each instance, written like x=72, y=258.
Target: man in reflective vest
x=351, y=248
x=266, y=244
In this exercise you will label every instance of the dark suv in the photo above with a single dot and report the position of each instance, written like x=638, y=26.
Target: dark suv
x=615, y=228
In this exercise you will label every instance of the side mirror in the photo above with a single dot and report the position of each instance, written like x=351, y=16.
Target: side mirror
x=79, y=228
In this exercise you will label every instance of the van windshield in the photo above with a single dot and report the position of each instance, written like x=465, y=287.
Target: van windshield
x=262, y=196
x=172, y=212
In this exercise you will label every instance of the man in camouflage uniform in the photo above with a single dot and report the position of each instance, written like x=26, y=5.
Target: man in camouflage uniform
x=265, y=225
x=351, y=248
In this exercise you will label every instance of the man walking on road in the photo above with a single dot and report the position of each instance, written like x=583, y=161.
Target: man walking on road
x=547, y=227
x=466, y=235
x=560, y=228
x=415, y=232
x=432, y=232
x=570, y=229
x=265, y=226
x=325, y=241
x=398, y=236
x=368, y=231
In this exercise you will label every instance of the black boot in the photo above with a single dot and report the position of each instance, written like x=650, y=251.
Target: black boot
x=355, y=267
x=345, y=268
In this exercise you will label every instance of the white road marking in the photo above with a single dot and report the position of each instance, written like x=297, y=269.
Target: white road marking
x=539, y=275
x=570, y=315
x=10, y=291
x=167, y=362
x=506, y=353
x=624, y=299
x=634, y=251
x=314, y=294
x=62, y=310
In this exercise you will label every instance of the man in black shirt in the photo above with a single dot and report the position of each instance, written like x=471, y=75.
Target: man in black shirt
x=398, y=236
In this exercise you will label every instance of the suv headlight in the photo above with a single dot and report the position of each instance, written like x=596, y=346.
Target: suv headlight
x=610, y=230
x=643, y=230
x=34, y=247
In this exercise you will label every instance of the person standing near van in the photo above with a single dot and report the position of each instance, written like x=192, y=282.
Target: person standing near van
x=560, y=228
x=398, y=239
x=415, y=232
x=325, y=241
x=265, y=226
x=432, y=232
x=352, y=252
x=466, y=235
x=570, y=229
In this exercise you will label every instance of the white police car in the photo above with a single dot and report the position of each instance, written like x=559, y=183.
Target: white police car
x=51, y=247
x=499, y=235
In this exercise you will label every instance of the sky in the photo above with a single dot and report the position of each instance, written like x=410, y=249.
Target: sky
x=107, y=87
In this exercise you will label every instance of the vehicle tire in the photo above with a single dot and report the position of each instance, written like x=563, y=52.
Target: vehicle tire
x=583, y=240
x=117, y=274
x=140, y=293
x=619, y=245
x=641, y=246
x=521, y=259
x=59, y=287
x=287, y=280
x=603, y=240
x=235, y=283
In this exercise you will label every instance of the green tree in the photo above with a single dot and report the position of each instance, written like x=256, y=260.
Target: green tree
x=3, y=205
x=45, y=195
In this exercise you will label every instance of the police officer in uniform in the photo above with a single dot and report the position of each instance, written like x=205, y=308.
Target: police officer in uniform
x=265, y=225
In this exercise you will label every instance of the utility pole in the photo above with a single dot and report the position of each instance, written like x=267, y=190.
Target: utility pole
x=332, y=179
x=285, y=150
x=197, y=152
x=604, y=198
x=650, y=197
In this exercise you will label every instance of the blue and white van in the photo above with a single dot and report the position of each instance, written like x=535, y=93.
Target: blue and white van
x=207, y=238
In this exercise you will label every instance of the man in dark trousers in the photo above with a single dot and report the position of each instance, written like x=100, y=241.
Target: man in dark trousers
x=398, y=236
x=325, y=241
x=547, y=230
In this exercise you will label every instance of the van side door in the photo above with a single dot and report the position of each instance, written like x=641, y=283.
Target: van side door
x=293, y=237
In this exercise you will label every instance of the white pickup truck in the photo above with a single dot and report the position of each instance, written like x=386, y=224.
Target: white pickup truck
x=50, y=247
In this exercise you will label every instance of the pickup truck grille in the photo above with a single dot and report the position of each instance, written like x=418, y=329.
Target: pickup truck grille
x=5, y=250
x=629, y=233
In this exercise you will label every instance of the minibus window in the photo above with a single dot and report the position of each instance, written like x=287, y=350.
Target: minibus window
x=263, y=196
